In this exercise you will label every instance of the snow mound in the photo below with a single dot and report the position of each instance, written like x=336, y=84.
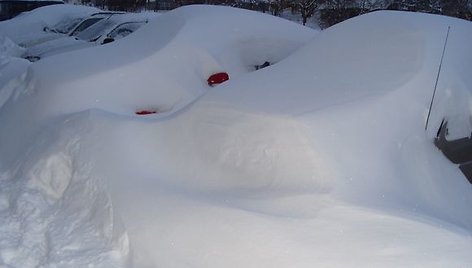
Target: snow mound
x=167, y=70
x=9, y=48
x=364, y=88
x=215, y=148
x=13, y=70
x=54, y=212
x=172, y=58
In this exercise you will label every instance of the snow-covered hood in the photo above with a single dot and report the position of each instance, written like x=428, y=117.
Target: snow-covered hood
x=39, y=37
x=56, y=46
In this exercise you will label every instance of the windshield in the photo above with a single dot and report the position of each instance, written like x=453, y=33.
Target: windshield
x=96, y=30
x=84, y=25
x=66, y=25
x=124, y=29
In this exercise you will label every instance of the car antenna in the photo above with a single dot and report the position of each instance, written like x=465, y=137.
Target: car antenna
x=437, y=77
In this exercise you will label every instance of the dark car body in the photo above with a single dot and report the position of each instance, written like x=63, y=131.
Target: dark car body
x=458, y=151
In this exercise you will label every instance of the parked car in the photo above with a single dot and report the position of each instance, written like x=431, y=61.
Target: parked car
x=71, y=27
x=98, y=29
x=44, y=23
x=89, y=21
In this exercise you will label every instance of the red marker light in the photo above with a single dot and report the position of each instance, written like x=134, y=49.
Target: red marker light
x=217, y=78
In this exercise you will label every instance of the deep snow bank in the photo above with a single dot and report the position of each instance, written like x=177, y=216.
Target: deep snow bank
x=321, y=159
x=168, y=61
x=164, y=65
x=54, y=212
x=13, y=70
x=367, y=85
x=363, y=90
x=9, y=48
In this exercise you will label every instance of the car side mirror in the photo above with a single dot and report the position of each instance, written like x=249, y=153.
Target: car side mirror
x=49, y=30
x=107, y=40
x=262, y=66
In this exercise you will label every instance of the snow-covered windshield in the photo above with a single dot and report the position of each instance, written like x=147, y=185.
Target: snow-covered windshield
x=125, y=29
x=117, y=22
x=96, y=30
x=66, y=25
x=85, y=24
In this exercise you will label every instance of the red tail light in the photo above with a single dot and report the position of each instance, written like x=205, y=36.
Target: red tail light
x=217, y=78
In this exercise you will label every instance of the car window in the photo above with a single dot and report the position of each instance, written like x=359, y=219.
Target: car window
x=66, y=25
x=84, y=25
x=124, y=29
x=96, y=30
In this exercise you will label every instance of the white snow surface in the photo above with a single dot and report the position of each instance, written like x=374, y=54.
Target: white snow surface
x=319, y=160
x=8, y=48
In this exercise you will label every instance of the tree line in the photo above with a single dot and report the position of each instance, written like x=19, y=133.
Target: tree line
x=328, y=12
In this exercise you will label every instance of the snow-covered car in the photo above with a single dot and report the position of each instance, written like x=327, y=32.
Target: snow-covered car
x=98, y=29
x=44, y=23
x=89, y=21
x=67, y=26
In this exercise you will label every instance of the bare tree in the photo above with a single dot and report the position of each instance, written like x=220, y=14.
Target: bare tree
x=369, y=5
x=456, y=8
x=340, y=4
x=429, y=6
x=426, y=6
x=277, y=6
x=335, y=11
x=307, y=8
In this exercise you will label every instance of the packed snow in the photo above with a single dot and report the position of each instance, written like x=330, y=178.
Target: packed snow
x=320, y=159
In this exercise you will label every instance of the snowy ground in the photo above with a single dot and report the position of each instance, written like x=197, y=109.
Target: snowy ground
x=321, y=159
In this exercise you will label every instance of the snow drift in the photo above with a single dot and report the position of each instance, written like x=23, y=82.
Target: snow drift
x=320, y=159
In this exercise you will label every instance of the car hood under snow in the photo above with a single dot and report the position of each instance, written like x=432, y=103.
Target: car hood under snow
x=56, y=46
